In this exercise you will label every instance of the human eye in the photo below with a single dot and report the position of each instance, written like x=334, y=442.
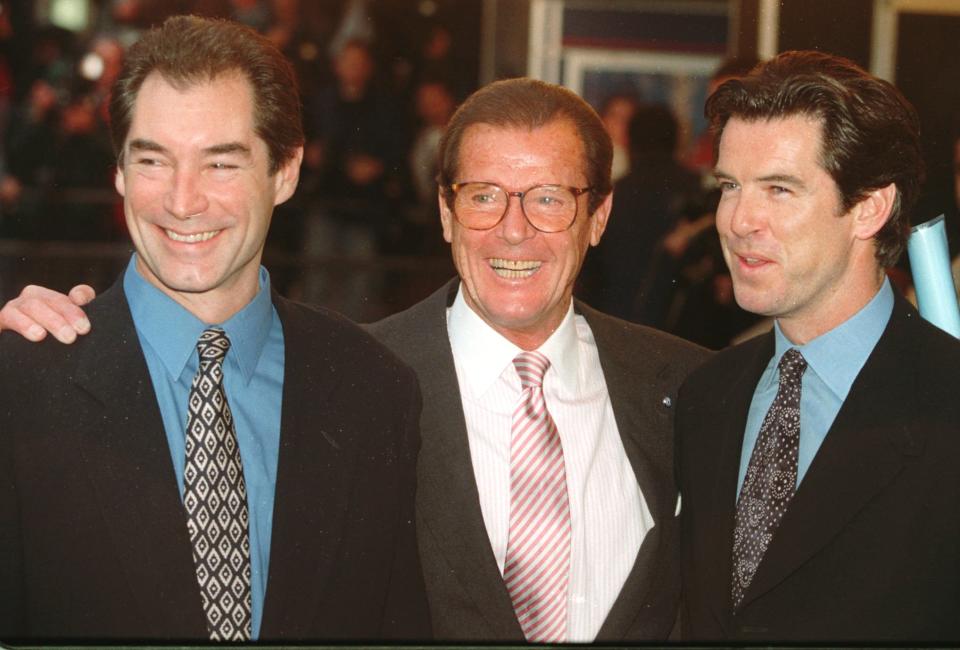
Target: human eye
x=726, y=185
x=145, y=161
x=779, y=190
x=549, y=197
x=220, y=164
x=481, y=196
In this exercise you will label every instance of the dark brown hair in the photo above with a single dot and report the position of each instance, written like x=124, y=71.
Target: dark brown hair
x=188, y=50
x=529, y=104
x=870, y=132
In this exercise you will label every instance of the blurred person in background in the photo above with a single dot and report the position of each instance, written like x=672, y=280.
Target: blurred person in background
x=629, y=275
x=616, y=112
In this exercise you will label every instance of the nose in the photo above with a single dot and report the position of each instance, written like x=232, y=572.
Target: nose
x=514, y=227
x=739, y=213
x=185, y=197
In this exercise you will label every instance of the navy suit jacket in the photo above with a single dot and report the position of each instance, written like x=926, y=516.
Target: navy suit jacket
x=869, y=547
x=93, y=538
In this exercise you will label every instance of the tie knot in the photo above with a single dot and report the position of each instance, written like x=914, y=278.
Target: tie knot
x=792, y=365
x=213, y=344
x=531, y=367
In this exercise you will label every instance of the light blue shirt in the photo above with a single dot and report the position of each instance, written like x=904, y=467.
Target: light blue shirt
x=834, y=360
x=253, y=380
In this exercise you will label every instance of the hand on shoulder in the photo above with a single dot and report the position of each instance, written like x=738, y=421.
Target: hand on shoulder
x=38, y=310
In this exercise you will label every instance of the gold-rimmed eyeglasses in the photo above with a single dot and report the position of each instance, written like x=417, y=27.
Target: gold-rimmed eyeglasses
x=548, y=208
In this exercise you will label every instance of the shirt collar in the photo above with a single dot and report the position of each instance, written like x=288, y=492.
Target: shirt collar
x=838, y=355
x=172, y=331
x=482, y=353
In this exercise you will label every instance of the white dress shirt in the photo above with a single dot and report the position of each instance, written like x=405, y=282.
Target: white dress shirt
x=609, y=516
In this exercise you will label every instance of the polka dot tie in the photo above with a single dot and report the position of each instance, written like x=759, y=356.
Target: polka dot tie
x=771, y=478
x=215, y=497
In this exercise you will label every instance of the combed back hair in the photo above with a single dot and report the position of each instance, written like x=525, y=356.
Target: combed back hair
x=188, y=50
x=870, y=132
x=525, y=103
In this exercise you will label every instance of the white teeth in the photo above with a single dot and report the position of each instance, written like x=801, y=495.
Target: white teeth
x=193, y=238
x=514, y=269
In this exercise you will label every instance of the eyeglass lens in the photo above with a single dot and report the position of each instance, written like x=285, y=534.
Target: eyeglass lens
x=550, y=208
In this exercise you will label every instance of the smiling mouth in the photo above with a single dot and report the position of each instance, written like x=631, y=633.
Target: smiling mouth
x=514, y=269
x=193, y=238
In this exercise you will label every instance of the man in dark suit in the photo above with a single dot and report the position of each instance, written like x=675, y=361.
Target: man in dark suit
x=516, y=146
x=818, y=462
x=286, y=513
x=524, y=192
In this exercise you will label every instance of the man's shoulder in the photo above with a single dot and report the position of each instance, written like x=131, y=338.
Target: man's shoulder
x=723, y=365
x=319, y=335
x=934, y=353
x=47, y=362
x=418, y=330
x=627, y=340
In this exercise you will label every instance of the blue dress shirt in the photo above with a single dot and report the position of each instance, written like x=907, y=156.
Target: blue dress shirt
x=253, y=380
x=834, y=360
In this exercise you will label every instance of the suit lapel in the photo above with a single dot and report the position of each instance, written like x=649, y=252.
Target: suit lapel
x=312, y=484
x=127, y=457
x=722, y=465
x=645, y=424
x=448, y=501
x=862, y=453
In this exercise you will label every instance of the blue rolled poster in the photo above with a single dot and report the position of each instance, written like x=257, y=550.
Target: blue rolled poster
x=930, y=264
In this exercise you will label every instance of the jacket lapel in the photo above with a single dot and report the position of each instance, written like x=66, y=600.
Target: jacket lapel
x=311, y=497
x=638, y=381
x=127, y=457
x=448, y=502
x=862, y=453
x=722, y=465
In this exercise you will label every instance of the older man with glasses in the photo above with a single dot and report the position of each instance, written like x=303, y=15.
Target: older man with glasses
x=546, y=505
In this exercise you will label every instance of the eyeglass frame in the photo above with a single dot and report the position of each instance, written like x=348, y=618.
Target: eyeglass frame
x=576, y=191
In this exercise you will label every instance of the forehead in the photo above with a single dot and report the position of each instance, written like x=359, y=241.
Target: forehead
x=204, y=113
x=783, y=141
x=554, y=149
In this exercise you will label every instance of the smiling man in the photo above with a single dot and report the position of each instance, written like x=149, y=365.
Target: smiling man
x=509, y=362
x=818, y=462
x=211, y=462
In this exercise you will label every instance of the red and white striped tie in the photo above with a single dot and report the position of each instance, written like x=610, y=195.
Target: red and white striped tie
x=537, y=566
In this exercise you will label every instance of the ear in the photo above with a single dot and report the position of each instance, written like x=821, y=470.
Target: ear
x=598, y=222
x=286, y=179
x=873, y=211
x=119, y=181
x=446, y=217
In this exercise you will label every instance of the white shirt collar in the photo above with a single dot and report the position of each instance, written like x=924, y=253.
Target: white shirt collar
x=482, y=353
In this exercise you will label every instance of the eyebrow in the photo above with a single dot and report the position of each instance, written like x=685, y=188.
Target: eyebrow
x=787, y=179
x=142, y=144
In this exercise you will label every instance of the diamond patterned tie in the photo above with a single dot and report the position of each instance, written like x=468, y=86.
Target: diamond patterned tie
x=771, y=478
x=215, y=497
x=537, y=566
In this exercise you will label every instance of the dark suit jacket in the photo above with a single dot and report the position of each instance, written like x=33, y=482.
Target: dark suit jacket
x=468, y=599
x=93, y=537
x=869, y=547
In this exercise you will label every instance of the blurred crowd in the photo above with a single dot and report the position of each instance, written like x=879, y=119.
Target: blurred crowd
x=380, y=79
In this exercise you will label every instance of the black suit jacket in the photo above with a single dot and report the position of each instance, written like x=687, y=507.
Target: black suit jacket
x=869, y=547
x=93, y=538
x=468, y=599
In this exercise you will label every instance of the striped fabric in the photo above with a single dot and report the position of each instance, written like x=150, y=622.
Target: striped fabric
x=537, y=567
